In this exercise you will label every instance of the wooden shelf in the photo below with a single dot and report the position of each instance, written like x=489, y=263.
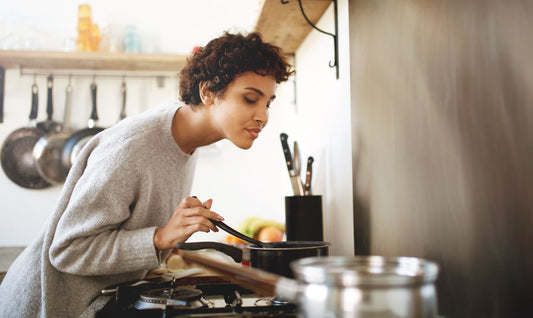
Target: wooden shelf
x=92, y=61
x=284, y=24
x=281, y=24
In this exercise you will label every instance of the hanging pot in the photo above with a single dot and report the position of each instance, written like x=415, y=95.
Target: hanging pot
x=16, y=153
x=48, y=150
x=274, y=258
x=75, y=143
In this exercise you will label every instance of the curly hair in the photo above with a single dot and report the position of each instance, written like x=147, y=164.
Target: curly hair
x=222, y=59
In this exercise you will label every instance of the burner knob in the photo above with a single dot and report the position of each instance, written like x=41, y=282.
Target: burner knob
x=233, y=299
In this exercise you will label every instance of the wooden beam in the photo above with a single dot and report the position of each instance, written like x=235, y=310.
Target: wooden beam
x=284, y=24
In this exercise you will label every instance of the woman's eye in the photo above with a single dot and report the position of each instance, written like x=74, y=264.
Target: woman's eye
x=249, y=100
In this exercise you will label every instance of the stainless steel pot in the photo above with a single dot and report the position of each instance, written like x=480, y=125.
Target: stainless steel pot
x=354, y=287
x=366, y=286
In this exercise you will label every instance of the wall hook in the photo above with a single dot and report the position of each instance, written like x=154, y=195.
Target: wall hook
x=335, y=62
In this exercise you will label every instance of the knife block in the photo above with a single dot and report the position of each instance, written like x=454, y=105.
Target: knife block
x=303, y=218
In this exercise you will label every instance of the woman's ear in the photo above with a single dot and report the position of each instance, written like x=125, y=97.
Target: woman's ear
x=205, y=95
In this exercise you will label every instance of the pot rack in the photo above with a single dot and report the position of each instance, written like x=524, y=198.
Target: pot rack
x=335, y=62
x=90, y=65
x=160, y=77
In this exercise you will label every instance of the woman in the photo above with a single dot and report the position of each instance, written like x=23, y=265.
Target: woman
x=125, y=203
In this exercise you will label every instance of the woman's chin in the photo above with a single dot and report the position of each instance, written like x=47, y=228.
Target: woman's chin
x=243, y=144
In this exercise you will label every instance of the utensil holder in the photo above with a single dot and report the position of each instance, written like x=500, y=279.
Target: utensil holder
x=303, y=218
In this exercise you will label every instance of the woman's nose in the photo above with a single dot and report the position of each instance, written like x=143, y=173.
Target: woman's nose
x=262, y=117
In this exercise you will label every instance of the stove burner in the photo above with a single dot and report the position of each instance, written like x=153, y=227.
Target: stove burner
x=161, y=296
x=186, y=298
x=198, y=300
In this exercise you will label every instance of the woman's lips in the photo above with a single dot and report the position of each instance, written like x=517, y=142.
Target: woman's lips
x=254, y=132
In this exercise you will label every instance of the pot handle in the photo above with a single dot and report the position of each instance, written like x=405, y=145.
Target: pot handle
x=234, y=252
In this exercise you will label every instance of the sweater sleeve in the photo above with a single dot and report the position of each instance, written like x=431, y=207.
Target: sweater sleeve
x=89, y=238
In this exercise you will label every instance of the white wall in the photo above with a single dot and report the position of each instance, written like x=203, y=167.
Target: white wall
x=242, y=183
x=321, y=123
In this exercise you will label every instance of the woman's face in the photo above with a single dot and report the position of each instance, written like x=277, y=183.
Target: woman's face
x=242, y=111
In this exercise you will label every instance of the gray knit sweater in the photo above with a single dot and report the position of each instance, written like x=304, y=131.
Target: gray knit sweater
x=127, y=181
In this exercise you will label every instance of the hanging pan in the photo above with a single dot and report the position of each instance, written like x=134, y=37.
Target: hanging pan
x=75, y=143
x=16, y=153
x=48, y=150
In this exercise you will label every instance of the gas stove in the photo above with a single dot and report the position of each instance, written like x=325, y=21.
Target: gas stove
x=175, y=299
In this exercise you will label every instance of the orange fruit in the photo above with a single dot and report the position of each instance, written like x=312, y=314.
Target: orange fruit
x=270, y=234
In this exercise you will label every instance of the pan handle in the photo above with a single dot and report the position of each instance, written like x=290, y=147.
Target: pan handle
x=261, y=282
x=2, y=88
x=34, y=101
x=123, y=107
x=49, y=100
x=234, y=252
x=68, y=103
x=94, y=113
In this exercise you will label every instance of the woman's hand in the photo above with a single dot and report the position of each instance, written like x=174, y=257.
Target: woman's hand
x=190, y=216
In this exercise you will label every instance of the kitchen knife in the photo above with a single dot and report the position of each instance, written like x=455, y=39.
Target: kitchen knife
x=297, y=159
x=308, y=176
x=296, y=183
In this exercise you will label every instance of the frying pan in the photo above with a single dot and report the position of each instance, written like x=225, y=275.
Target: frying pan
x=79, y=139
x=16, y=153
x=48, y=150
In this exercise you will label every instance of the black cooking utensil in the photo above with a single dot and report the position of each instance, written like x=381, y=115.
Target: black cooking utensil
x=238, y=234
x=234, y=232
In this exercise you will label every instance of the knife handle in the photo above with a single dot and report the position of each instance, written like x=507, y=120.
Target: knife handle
x=296, y=158
x=308, y=176
x=287, y=152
